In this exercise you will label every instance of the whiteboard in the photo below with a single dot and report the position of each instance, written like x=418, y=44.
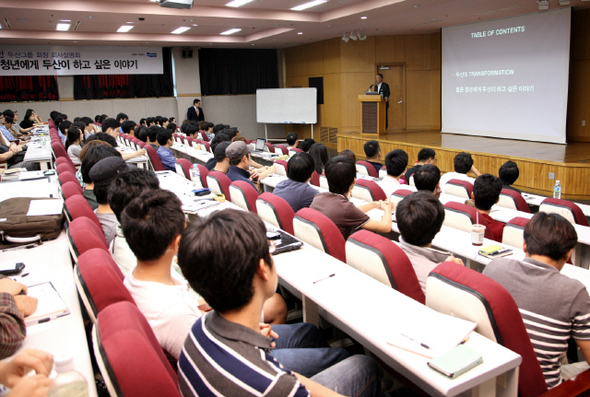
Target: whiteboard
x=287, y=106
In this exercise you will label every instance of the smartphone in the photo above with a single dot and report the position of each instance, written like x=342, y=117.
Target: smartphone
x=11, y=269
x=201, y=192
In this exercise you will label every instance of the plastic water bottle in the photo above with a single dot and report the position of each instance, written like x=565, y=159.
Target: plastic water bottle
x=195, y=174
x=68, y=381
x=557, y=190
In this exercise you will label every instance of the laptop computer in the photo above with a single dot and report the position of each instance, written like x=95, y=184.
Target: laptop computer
x=259, y=145
x=283, y=241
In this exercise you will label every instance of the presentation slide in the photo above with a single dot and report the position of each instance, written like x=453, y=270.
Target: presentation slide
x=508, y=78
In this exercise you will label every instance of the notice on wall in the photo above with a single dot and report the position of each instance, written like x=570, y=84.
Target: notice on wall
x=24, y=60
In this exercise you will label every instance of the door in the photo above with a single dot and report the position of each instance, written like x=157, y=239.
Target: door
x=394, y=76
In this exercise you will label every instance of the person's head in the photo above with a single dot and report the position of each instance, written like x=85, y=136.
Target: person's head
x=191, y=130
x=88, y=145
x=172, y=120
x=219, y=152
x=306, y=144
x=164, y=137
x=8, y=113
x=121, y=117
x=171, y=127
x=28, y=114
x=142, y=133
x=463, y=162
x=64, y=126
x=150, y=121
x=197, y=102
x=238, y=154
x=54, y=114
x=508, y=172
x=127, y=126
x=396, y=162
x=206, y=126
x=103, y=117
x=74, y=135
x=341, y=174
x=103, y=173
x=348, y=153
x=164, y=122
x=319, y=154
x=97, y=118
x=217, y=128
x=93, y=155
x=486, y=191
x=549, y=235
x=292, y=138
x=378, y=78
x=8, y=121
x=372, y=150
x=129, y=185
x=153, y=134
x=103, y=136
x=111, y=127
x=224, y=273
x=217, y=139
x=142, y=121
x=151, y=223
x=427, y=178
x=419, y=216
x=300, y=167
x=427, y=156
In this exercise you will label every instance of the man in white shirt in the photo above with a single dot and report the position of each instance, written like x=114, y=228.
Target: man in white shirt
x=463, y=164
x=396, y=163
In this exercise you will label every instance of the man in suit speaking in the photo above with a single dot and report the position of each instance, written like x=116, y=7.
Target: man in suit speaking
x=195, y=113
x=383, y=89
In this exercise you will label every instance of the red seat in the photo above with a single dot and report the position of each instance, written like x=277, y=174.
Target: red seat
x=281, y=166
x=60, y=151
x=512, y=199
x=207, y=146
x=67, y=176
x=514, y=231
x=69, y=189
x=218, y=182
x=283, y=149
x=367, y=190
x=462, y=216
x=203, y=172
x=64, y=165
x=399, y=195
x=319, y=231
x=185, y=167
x=83, y=235
x=270, y=147
x=565, y=208
x=129, y=356
x=243, y=195
x=154, y=158
x=315, y=179
x=296, y=150
x=460, y=188
x=63, y=160
x=77, y=206
x=366, y=168
x=383, y=260
x=276, y=210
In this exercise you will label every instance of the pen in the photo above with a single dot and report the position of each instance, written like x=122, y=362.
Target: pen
x=324, y=278
x=424, y=345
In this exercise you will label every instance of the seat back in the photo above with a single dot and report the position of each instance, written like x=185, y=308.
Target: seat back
x=565, y=208
x=462, y=292
x=283, y=149
x=462, y=216
x=365, y=168
x=514, y=231
x=67, y=176
x=368, y=190
x=68, y=189
x=99, y=282
x=315, y=179
x=382, y=259
x=183, y=168
x=275, y=210
x=399, y=195
x=64, y=166
x=268, y=147
x=77, y=206
x=59, y=150
x=281, y=166
x=154, y=158
x=67, y=161
x=83, y=235
x=206, y=146
x=319, y=231
x=459, y=188
x=129, y=356
x=219, y=183
x=512, y=199
x=243, y=195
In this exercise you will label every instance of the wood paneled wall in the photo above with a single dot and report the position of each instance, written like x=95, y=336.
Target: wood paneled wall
x=579, y=93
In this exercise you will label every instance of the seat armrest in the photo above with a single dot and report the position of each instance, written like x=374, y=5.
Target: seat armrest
x=579, y=385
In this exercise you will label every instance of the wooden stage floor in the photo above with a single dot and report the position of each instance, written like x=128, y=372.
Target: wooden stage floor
x=570, y=163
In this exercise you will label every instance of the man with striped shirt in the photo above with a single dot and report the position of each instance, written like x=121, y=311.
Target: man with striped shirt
x=227, y=352
x=553, y=306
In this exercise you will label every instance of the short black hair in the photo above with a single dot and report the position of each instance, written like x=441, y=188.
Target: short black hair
x=110, y=123
x=425, y=154
x=8, y=113
x=163, y=136
x=64, y=126
x=305, y=145
x=509, y=172
x=223, y=273
x=121, y=116
x=150, y=223
x=371, y=148
x=218, y=127
x=340, y=172
x=142, y=133
x=171, y=127
x=463, y=162
x=549, y=235
x=86, y=120
x=142, y=121
x=127, y=126
x=348, y=153
x=103, y=136
x=217, y=139
x=319, y=154
x=291, y=138
x=150, y=120
x=129, y=185
x=300, y=167
x=92, y=156
x=396, y=162
x=54, y=114
x=190, y=129
x=196, y=100
x=419, y=216
x=153, y=132
x=205, y=125
x=486, y=191
x=427, y=177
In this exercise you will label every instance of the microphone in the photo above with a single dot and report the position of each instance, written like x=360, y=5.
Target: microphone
x=371, y=86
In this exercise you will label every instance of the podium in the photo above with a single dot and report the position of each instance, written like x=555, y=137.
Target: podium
x=372, y=115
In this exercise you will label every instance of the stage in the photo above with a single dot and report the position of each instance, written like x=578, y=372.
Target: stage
x=570, y=163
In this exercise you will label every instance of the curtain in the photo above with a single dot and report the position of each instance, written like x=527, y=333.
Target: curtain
x=28, y=88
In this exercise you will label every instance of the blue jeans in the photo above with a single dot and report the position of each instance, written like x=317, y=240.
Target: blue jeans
x=357, y=376
x=301, y=348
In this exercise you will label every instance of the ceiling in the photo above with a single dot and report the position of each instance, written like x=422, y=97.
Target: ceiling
x=263, y=23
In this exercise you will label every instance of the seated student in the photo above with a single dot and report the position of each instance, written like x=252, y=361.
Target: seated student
x=240, y=162
x=102, y=174
x=92, y=153
x=221, y=137
x=221, y=160
x=554, y=307
x=8, y=137
x=319, y=154
x=508, y=174
x=425, y=156
x=191, y=131
x=111, y=127
x=121, y=117
x=427, y=178
x=463, y=164
x=296, y=190
x=207, y=131
x=127, y=186
x=152, y=137
x=373, y=154
x=62, y=129
x=396, y=163
x=305, y=145
x=15, y=304
x=141, y=132
x=73, y=147
x=335, y=204
x=236, y=279
x=420, y=217
x=348, y=153
x=128, y=127
x=292, y=140
x=486, y=193
x=166, y=156
x=172, y=127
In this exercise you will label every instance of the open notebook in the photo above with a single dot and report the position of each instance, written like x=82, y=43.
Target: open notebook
x=49, y=306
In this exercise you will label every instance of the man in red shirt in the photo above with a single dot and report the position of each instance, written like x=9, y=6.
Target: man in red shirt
x=486, y=193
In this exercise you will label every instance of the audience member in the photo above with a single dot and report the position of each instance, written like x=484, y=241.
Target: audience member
x=396, y=163
x=206, y=130
x=221, y=160
x=335, y=204
x=15, y=304
x=508, y=174
x=296, y=190
x=373, y=154
x=92, y=154
x=217, y=139
x=121, y=117
x=73, y=146
x=128, y=127
x=419, y=218
x=348, y=153
x=166, y=156
x=486, y=193
x=240, y=161
x=292, y=140
x=425, y=156
x=319, y=154
x=305, y=145
x=554, y=307
x=463, y=164
x=153, y=136
x=427, y=178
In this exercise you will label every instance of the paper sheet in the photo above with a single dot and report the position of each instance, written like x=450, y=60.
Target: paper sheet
x=45, y=207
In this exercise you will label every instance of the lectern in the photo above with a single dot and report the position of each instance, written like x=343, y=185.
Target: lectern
x=372, y=114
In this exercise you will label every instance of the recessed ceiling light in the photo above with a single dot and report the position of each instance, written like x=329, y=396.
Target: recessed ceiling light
x=231, y=31
x=238, y=3
x=416, y=5
x=363, y=17
x=90, y=16
x=180, y=30
x=310, y=4
x=299, y=32
x=154, y=1
x=65, y=20
x=194, y=24
x=62, y=27
x=125, y=28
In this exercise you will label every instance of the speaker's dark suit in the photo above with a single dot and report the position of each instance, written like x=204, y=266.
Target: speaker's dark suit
x=384, y=91
x=191, y=114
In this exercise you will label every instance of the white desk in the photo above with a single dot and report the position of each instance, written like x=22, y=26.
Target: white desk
x=39, y=152
x=43, y=187
x=192, y=154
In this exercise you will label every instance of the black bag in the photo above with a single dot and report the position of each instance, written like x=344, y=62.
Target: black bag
x=17, y=158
